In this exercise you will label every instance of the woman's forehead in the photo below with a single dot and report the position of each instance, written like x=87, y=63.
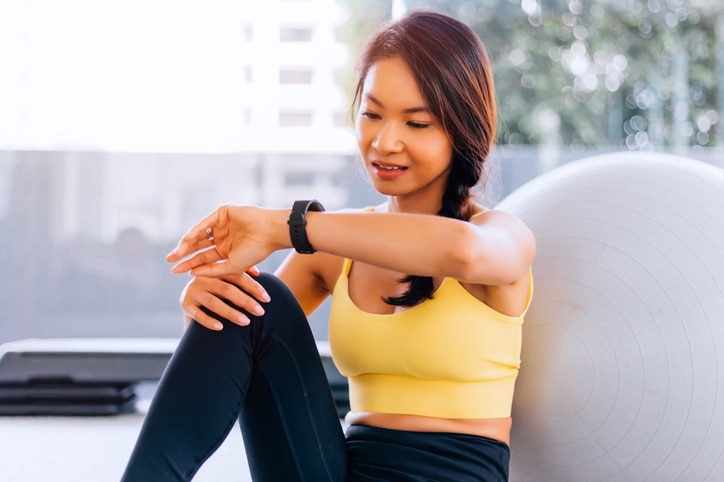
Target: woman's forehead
x=390, y=83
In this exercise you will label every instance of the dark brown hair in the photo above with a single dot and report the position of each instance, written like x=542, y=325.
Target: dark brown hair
x=452, y=70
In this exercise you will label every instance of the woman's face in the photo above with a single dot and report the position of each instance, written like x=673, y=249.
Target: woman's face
x=405, y=149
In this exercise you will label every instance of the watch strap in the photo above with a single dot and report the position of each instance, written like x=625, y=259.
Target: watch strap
x=298, y=224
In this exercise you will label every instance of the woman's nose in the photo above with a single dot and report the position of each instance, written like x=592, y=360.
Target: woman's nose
x=387, y=140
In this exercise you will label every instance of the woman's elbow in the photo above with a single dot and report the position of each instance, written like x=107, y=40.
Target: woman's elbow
x=495, y=261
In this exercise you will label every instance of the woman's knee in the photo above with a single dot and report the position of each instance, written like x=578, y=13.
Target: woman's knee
x=271, y=282
x=282, y=298
x=283, y=311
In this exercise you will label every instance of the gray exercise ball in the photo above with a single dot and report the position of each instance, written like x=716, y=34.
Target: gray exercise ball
x=624, y=342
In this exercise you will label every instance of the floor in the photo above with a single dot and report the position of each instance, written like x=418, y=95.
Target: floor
x=85, y=449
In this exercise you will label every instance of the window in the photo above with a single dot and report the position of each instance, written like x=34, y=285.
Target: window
x=248, y=32
x=340, y=119
x=295, y=118
x=295, y=76
x=296, y=34
x=91, y=183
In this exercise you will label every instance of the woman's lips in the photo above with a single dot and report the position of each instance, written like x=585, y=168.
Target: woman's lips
x=387, y=171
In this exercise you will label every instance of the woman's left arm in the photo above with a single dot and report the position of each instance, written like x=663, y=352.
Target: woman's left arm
x=496, y=248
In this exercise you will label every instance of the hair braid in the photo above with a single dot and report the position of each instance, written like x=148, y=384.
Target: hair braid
x=456, y=205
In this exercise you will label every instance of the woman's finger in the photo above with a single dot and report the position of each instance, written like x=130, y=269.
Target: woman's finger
x=212, y=270
x=254, y=288
x=196, y=314
x=232, y=298
x=189, y=246
x=200, y=236
x=224, y=309
x=205, y=257
x=206, y=308
x=245, y=292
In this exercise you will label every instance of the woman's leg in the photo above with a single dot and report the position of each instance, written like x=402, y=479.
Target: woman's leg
x=269, y=376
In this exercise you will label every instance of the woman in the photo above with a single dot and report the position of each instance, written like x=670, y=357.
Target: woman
x=428, y=295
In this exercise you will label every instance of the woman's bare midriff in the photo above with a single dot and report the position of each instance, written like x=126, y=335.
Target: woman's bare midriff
x=493, y=428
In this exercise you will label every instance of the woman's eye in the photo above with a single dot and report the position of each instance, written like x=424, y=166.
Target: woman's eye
x=417, y=125
x=370, y=115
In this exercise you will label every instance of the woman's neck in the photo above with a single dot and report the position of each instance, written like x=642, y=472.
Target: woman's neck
x=399, y=205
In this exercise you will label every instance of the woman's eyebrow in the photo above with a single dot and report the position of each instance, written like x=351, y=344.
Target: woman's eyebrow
x=410, y=110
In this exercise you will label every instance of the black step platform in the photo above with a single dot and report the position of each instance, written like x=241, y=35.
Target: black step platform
x=98, y=376
x=78, y=376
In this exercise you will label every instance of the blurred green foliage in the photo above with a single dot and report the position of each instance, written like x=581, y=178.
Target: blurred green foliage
x=640, y=74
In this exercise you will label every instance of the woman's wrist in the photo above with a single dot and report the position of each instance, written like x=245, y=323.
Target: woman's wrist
x=278, y=229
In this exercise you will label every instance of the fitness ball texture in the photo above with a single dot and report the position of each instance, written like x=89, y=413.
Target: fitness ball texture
x=624, y=341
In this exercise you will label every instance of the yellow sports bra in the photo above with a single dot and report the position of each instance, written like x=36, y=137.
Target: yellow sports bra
x=451, y=356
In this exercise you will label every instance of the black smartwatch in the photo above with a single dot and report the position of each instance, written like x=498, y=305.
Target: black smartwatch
x=298, y=224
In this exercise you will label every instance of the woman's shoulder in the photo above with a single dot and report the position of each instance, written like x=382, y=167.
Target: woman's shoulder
x=506, y=225
x=483, y=215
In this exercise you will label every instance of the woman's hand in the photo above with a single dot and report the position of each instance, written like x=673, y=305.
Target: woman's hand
x=203, y=294
x=230, y=240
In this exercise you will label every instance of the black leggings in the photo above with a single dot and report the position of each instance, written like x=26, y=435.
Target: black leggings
x=269, y=376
